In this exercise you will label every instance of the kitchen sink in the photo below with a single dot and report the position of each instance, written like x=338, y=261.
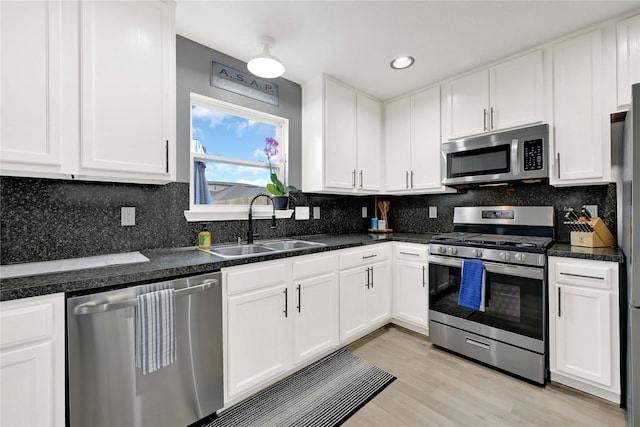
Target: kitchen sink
x=289, y=245
x=262, y=248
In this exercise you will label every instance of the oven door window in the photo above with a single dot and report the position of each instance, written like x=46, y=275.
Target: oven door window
x=484, y=161
x=512, y=303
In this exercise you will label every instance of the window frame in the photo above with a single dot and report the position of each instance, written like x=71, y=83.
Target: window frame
x=198, y=212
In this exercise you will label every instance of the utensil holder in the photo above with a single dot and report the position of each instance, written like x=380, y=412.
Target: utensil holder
x=598, y=237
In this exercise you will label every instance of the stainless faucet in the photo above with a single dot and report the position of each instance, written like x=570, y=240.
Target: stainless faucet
x=273, y=217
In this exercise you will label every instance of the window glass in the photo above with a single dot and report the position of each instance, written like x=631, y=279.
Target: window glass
x=229, y=152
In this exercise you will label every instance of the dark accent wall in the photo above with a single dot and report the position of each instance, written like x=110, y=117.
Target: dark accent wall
x=193, y=73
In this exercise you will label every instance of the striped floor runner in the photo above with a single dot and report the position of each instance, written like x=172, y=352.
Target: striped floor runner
x=323, y=394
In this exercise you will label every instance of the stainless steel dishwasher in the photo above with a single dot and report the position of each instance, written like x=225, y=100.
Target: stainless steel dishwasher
x=106, y=389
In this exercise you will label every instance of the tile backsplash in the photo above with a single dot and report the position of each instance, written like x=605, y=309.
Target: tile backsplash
x=43, y=219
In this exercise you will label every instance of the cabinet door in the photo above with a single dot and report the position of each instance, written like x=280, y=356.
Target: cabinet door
x=397, y=141
x=369, y=143
x=583, y=334
x=426, y=150
x=581, y=148
x=26, y=375
x=516, y=92
x=314, y=305
x=353, y=302
x=30, y=87
x=628, y=54
x=127, y=88
x=411, y=292
x=467, y=105
x=379, y=294
x=340, y=136
x=258, y=338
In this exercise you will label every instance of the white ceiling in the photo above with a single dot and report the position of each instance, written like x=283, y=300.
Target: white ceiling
x=355, y=41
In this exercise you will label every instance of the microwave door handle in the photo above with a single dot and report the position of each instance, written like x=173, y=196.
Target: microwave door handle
x=515, y=158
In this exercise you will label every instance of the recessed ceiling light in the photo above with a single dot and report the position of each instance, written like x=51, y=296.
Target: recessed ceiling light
x=402, y=62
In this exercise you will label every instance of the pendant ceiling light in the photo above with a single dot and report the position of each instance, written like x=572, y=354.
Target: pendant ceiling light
x=265, y=65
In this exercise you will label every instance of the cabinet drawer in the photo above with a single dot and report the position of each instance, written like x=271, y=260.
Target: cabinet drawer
x=254, y=276
x=23, y=322
x=371, y=254
x=313, y=266
x=591, y=274
x=411, y=252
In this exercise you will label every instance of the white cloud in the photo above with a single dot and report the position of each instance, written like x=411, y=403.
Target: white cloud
x=215, y=118
x=197, y=133
x=258, y=154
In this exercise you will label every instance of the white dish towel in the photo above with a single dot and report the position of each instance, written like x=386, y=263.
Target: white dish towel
x=155, y=330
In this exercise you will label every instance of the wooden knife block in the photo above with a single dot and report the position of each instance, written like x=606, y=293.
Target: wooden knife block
x=600, y=237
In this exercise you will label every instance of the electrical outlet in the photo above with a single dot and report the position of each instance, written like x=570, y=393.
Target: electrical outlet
x=433, y=212
x=316, y=212
x=364, y=212
x=127, y=216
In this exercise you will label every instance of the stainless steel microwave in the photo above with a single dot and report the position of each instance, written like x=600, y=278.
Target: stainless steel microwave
x=517, y=155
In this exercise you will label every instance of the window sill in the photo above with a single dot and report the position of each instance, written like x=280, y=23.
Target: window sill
x=229, y=213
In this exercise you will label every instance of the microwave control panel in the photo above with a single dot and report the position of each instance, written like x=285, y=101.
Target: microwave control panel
x=533, y=155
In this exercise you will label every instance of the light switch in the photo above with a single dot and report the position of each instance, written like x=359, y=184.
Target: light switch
x=316, y=212
x=433, y=212
x=364, y=212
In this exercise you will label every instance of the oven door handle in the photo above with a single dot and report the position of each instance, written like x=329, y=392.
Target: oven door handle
x=491, y=267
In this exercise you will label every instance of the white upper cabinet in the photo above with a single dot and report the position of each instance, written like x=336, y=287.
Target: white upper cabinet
x=94, y=98
x=341, y=138
x=30, y=87
x=628, y=58
x=581, y=118
x=412, y=143
x=127, y=88
x=504, y=96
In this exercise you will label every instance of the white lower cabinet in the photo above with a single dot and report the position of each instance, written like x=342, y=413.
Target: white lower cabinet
x=273, y=323
x=32, y=359
x=365, y=290
x=584, y=340
x=411, y=286
x=314, y=306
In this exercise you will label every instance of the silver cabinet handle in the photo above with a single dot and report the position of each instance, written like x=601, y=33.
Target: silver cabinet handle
x=558, y=166
x=91, y=308
x=371, y=276
x=353, y=178
x=411, y=179
x=484, y=119
x=424, y=280
x=478, y=343
x=408, y=253
x=406, y=180
x=369, y=256
x=583, y=276
x=299, y=297
x=368, y=278
x=361, y=180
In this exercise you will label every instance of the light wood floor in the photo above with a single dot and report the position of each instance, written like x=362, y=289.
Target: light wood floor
x=437, y=388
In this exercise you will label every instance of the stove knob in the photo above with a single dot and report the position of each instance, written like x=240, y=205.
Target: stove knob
x=477, y=253
x=452, y=250
x=520, y=257
x=505, y=256
x=442, y=249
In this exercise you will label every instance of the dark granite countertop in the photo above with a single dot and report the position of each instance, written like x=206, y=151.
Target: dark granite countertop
x=170, y=263
x=595, y=254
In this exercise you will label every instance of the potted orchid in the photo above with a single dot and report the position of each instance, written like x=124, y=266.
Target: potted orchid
x=279, y=190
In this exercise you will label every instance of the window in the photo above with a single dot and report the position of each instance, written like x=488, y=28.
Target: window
x=228, y=161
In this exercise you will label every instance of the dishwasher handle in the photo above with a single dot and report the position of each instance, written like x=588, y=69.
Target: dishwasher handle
x=92, y=308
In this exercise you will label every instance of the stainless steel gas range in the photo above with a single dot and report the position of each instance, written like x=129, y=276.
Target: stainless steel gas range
x=508, y=331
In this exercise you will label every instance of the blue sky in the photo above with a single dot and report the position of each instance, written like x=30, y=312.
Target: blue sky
x=235, y=137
